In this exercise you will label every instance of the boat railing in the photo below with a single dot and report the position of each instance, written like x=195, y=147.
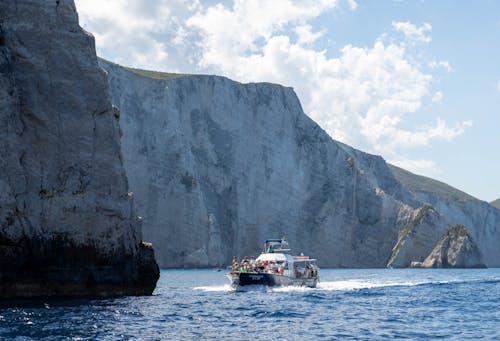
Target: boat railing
x=305, y=268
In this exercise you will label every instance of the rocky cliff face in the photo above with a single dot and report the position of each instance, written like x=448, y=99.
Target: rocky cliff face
x=218, y=166
x=455, y=249
x=458, y=208
x=67, y=225
x=418, y=237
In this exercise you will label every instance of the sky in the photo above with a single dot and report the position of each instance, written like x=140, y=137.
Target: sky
x=417, y=82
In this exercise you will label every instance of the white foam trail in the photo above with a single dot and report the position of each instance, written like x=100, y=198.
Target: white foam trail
x=346, y=285
x=341, y=286
x=292, y=289
x=358, y=284
x=215, y=288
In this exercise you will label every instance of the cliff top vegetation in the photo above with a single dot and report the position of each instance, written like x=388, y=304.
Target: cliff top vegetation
x=419, y=183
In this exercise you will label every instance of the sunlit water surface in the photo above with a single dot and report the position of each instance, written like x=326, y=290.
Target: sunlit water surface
x=348, y=304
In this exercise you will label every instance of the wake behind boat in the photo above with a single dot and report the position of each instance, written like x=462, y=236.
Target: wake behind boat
x=274, y=267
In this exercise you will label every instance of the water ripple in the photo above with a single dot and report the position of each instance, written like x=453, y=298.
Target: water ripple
x=348, y=304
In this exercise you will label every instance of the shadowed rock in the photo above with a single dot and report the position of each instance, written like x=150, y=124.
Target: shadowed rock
x=67, y=222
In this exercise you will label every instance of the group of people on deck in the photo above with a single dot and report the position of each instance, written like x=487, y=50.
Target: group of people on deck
x=249, y=264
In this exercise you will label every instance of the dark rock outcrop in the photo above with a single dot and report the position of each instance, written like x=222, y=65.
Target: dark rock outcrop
x=455, y=249
x=67, y=223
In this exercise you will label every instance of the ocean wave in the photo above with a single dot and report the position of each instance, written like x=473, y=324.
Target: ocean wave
x=360, y=284
x=215, y=288
x=345, y=285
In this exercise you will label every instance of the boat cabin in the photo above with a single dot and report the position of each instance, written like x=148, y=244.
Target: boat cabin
x=275, y=254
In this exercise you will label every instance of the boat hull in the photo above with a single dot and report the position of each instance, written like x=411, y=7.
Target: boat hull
x=244, y=279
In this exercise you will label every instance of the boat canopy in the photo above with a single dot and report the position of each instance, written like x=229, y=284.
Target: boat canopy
x=273, y=241
x=274, y=257
x=276, y=245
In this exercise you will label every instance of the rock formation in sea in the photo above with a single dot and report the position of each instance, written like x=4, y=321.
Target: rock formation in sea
x=418, y=237
x=455, y=249
x=67, y=222
x=458, y=208
x=218, y=166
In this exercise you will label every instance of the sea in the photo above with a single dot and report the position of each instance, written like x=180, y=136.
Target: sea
x=348, y=304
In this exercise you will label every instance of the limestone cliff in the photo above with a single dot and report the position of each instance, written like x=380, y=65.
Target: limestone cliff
x=67, y=223
x=218, y=166
x=458, y=208
x=455, y=249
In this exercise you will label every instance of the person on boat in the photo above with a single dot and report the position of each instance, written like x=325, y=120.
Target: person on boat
x=296, y=271
x=306, y=272
x=312, y=270
x=265, y=266
x=244, y=264
x=259, y=265
x=251, y=263
x=234, y=266
x=270, y=267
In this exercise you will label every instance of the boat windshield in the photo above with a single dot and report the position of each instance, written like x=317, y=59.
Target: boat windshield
x=276, y=245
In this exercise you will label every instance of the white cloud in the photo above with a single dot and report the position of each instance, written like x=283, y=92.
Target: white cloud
x=498, y=86
x=414, y=33
x=440, y=64
x=234, y=31
x=361, y=96
x=138, y=33
x=438, y=96
x=305, y=34
x=441, y=130
x=352, y=4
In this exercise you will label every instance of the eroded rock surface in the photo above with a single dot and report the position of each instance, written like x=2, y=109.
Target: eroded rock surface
x=418, y=237
x=457, y=208
x=218, y=166
x=67, y=223
x=455, y=249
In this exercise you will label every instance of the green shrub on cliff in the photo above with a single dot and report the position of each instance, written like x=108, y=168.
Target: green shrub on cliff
x=496, y=203
x=156, y=74
x=418, y=183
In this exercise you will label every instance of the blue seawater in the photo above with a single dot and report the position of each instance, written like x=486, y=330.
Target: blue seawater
x=363, y=304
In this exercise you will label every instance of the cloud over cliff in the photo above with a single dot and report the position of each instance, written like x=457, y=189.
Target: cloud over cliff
x=361, y=95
